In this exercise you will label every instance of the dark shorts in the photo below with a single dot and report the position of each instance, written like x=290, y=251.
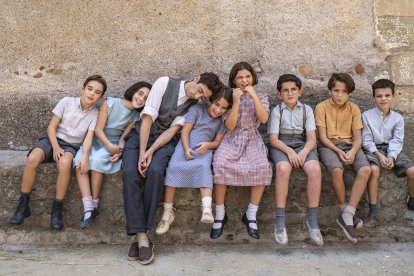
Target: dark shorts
x=331, y=160
x=46, y=146
x=401, y=164
x=297, y=143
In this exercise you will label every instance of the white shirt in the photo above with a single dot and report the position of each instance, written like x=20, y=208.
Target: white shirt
x=153, y=103
x=74, y=122
x=379, y=130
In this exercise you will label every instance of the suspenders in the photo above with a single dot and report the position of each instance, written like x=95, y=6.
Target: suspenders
x=303, y=120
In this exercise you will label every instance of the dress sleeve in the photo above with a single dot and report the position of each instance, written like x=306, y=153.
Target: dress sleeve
x=192, y=114
x=264, y=99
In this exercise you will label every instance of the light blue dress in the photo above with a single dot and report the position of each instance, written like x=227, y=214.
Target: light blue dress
x=119, y=117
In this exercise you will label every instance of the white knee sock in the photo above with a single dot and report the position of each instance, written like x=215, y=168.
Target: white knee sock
x=251, y=214
x=95, y=202
x=87, y=206
x=168, y=209
x=206, y=201
x=220, y=212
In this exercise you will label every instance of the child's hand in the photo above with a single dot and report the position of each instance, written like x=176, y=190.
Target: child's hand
x=390, y=162
x=189, y=154
x=343, y=157
x=114, y=149
x=383, y=161
x=350, y=157
x=237, y=92
x=83, y=164
x=115, y=157
x=58, y=153
x=302, y=157
x=293, y=158
x=202, y=147
x=250, y=90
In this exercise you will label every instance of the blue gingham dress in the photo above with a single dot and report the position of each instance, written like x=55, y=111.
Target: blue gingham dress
x=195, y=173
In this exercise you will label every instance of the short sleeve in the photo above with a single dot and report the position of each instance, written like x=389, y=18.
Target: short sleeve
x=92, y=125
x=264, y=99
x=192, y=114
x=110, y=103
x=310, y=119
x=356, y=117
x=60, y=107
x=273, y=125
x=221, y=129
x=320, y=113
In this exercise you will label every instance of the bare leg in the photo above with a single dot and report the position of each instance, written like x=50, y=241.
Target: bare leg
x=338, y=184
x=83, y=183
x=35, y=158
x=220, y=193
x=410, y=181
x=283, y=170
x=372, y=187
x=313, y=171
x=169, y=194
x=256, y=193
x=206, y=192
x=64, y=167
x=96, y=183
x=360, y=183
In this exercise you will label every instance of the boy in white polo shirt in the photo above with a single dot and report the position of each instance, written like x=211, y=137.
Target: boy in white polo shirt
x=73, y=119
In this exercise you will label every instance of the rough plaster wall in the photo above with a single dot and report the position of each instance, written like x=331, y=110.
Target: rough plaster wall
x=50, y=47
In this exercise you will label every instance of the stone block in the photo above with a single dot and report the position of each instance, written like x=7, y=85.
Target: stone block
x=402, y=68
x=404, y=101
x=394, y=7
x=396, y=31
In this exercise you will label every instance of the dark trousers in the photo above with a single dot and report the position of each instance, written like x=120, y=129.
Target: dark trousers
x=141, y=197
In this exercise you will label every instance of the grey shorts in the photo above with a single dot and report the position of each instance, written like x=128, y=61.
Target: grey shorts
x=401, y=164
x=297, y=143
x=46, y=146
x=331, y=160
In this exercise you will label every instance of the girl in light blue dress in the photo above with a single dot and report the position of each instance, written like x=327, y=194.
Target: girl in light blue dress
x=115, y=120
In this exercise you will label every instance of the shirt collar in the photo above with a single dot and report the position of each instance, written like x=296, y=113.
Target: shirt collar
x=181, y=93
x=380, y=113
x=334, y=105
x=78, y=101
x=298, y=104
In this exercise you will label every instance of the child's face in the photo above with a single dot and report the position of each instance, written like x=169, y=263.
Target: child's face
x=140, y=97
x=243, y=78
x=383, y=98
x=218, y=108
x=339, y=93
x=91, y=93
x=289, y=93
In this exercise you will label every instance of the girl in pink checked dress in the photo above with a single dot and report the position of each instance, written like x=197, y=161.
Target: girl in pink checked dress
x=241, y=158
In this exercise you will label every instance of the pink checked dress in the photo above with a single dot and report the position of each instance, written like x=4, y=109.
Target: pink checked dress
x=241, y=158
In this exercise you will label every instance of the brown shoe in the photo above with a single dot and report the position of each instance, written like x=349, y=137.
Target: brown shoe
x=370, y=222
x=133, y=253
x=146, y=254
x=349, y=230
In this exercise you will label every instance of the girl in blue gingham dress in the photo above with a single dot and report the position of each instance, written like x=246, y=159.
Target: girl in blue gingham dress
x=190, y=165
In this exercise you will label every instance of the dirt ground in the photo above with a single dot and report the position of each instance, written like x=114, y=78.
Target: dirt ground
x=235, y=259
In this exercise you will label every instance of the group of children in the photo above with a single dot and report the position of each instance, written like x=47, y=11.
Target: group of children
x=220, y=145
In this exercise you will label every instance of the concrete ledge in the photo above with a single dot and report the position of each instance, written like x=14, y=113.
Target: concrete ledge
x=187, y=229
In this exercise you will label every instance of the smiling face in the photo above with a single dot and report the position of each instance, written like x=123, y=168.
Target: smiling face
x=243, y=78
x=290, y=93
x=383, y=99
x=218, y=108
x=196, y=90
x=339, y=93
x=91, y=93
x=140, y=97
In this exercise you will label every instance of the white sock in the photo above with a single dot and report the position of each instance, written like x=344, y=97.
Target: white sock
x=251, y=214
x=142, y=239
x=95, y=202
x=206, y=201
x=220, y=212
x=168, y=209
x=87, y=206
x=348, y=215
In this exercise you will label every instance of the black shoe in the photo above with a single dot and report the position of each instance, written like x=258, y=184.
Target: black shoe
x=254, y=233
x=88, y=221
x=56, y=218
x=216, y=233
x=22, y=210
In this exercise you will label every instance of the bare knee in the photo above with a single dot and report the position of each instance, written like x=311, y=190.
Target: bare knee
x=64, y=164
x=313, y=170
x=375, y=171
x=34, y=159
x=283, y=170
x=410, y=173
x=337, y=172
x=364, y=171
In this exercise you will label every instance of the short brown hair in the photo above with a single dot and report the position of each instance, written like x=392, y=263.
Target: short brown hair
x=344, y=78
x=238, y=67
x=97, y=78
x=383, y=83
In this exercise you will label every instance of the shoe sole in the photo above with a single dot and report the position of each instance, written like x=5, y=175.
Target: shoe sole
x=132, y=258
x=84, y=226
x=207, y=220
x=354, y=240
x=146, y=262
